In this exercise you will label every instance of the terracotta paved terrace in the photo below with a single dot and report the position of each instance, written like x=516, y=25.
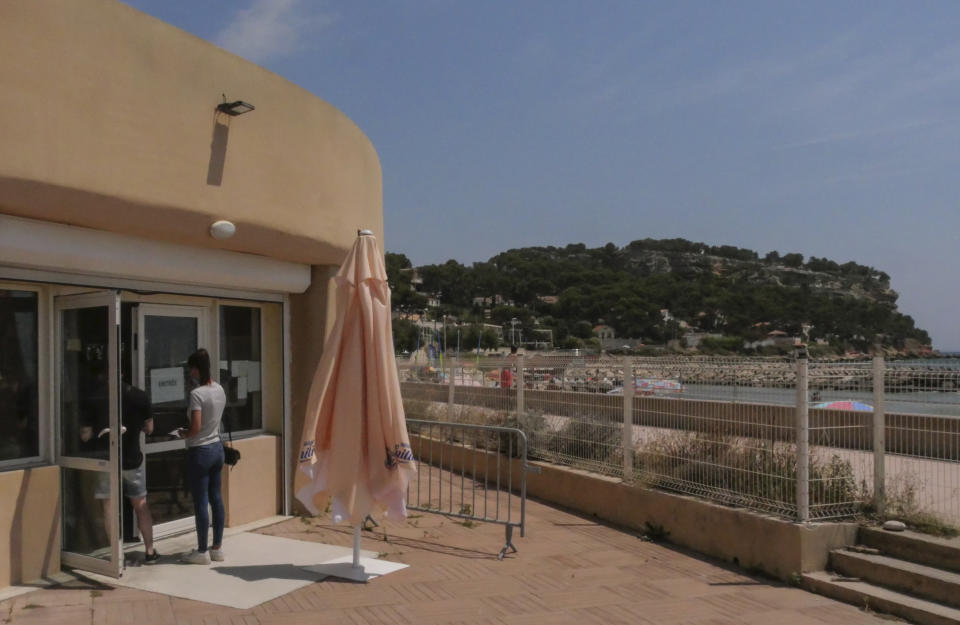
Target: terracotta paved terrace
x=569, y=569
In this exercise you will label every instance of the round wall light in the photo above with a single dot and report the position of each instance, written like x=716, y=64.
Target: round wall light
x=222, y=229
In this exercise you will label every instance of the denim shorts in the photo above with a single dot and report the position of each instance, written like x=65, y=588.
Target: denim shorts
x=134, y=483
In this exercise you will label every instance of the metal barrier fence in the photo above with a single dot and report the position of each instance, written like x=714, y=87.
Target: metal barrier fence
x=802, y=439
x=470, y=472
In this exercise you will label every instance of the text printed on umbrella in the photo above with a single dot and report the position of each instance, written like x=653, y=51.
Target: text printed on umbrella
x=401, y=453
x=307, y=452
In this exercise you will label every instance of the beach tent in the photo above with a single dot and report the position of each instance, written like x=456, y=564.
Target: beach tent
x=846, y=404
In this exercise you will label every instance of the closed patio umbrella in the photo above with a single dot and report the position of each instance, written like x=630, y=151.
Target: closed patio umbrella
x=354, y=449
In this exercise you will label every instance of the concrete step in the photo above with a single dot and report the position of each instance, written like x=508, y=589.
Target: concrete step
x=942, y=553
x=877, y=599
x=909, y=577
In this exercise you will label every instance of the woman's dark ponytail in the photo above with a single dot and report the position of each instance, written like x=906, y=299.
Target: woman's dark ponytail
x=200, y=360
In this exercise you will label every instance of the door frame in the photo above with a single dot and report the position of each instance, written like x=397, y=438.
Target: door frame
x=111, y=300
x=56, y=283
x=144, y=309
x=140, y=311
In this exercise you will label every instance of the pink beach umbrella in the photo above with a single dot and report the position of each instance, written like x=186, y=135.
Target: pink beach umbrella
x=355, y=451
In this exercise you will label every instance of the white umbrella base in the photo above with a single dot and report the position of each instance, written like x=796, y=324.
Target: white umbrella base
x=367, y=569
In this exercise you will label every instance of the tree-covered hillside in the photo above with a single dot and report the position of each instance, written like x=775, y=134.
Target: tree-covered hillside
x=716, y=289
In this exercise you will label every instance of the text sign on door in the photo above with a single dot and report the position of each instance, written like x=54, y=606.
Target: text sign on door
x=166, y=385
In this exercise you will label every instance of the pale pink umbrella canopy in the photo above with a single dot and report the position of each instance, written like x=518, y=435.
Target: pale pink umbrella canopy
x=355, y=448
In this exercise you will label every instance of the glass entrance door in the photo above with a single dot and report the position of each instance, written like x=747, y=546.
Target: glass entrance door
x=88, y=427
x=164, y=337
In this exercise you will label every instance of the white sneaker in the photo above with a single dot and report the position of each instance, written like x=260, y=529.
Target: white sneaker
x=195, y=557
x=216, y=555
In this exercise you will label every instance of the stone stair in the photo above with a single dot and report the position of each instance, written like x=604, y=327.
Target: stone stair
x=906, y=574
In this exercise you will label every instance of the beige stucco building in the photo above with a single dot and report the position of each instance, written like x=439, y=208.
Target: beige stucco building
x=114, y=163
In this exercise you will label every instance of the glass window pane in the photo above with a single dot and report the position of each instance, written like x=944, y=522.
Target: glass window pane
x=240, y=365
x=86, y=506
x=168, y=492
x=84, y=387
x=19, y=419
x=167, y=343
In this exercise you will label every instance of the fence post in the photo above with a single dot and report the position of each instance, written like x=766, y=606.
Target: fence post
x=519, y=385
x=879, y=434
x=628, y=382
x=450, y=393
x=803, y=438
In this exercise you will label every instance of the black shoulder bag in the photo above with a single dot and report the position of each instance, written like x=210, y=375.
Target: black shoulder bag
x=231, y=456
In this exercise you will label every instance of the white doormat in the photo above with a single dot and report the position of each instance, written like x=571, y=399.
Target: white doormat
x=256, y=568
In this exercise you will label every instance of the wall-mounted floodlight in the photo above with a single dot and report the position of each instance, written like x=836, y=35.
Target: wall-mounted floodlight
x=233, y=109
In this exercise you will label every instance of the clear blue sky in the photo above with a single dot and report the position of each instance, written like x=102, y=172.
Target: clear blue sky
x=826, y=128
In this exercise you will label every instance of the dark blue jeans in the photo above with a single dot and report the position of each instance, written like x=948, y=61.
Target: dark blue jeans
x=204, y=468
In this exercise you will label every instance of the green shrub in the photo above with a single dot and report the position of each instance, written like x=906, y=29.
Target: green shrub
x=902, y=503
x=721, y=344
x=590, y=443
x=534, y=426
x=417, y=409
x=741, y=471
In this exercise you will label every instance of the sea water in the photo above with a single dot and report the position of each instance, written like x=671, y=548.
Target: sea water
x=914, y=402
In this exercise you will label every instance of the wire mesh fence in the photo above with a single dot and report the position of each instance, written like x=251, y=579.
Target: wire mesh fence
x=922, y=444
x=913, y=388
x=572, y=415
x=728, y=435
x=842, y=438
x=841, y=435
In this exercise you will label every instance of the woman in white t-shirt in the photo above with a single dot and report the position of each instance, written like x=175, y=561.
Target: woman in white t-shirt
x=205, y=457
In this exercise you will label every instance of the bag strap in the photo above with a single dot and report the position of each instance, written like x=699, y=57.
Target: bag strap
x=229, y=430
x=229, y=435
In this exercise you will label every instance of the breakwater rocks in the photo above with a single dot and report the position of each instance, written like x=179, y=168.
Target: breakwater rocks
x=836, y=376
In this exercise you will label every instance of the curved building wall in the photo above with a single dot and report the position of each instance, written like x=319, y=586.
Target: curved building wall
x=108, y=126
x=109, y=122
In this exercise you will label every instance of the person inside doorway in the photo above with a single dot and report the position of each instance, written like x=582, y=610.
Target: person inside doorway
x=94, y=415
x=205, y=457
x=137, y=418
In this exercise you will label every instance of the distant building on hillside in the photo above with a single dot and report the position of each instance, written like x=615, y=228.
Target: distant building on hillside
x=604, y=332
x=542, y=339
x=493, y=300
x=415, y=278
x=497, y=329
x=781, y=338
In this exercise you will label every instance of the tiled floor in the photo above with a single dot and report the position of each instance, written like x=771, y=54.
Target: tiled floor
x=569, y=569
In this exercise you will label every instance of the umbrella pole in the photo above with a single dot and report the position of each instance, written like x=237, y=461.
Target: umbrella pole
x=356, y=546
